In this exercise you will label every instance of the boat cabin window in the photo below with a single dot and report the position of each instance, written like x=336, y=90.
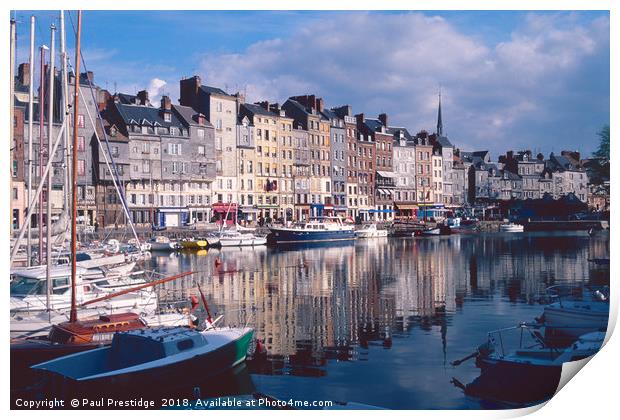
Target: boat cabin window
x=27, y=286
x=185, y=345
x=60, y=285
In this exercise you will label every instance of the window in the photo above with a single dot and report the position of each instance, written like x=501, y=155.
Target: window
x=218, y=143
x=14, y=171
x=81, y=120
x=201, y=150
x=81, y=167
x=168, y=118
x=200, y=133
x=173, y=130
x=81, y=144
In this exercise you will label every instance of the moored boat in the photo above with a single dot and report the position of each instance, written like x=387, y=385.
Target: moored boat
x=234, y=238
x=570, y=317
x=511, y=227
x=144, y=358
x=162, y=243
x=431, y=232
x=317, y=229
x=191, y=243
x=529, y=374
x=370, y=231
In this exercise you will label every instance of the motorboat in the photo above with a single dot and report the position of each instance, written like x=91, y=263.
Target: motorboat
x=162, y=243
x=141, y=359
x=317, y=229
x=572, y=316
x=511, y=227
x=191, y=243
x=531, y=373
x=234, y=238
x=370, y=231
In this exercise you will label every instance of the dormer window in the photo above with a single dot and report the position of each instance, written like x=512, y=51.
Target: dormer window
x=173, y=131
x=167, y=117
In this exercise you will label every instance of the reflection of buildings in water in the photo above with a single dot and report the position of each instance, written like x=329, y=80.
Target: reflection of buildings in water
x=312, y=305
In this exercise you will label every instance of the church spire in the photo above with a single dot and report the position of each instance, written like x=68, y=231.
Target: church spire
x=439, y=123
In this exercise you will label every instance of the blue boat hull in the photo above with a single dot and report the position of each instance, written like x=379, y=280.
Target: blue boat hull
x=293, y=236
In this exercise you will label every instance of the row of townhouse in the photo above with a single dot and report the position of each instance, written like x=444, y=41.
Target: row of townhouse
x=214, y=156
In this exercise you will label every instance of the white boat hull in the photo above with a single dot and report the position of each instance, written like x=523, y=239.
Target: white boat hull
x=511, y=228
x=243, y=241
x=574, y=322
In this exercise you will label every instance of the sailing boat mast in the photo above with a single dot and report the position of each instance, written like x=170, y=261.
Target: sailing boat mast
x=41, y=148
x=74, y=148
x=50, y=146
x=65, y=108
x=30, y=134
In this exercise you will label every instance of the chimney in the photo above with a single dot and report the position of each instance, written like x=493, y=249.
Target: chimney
x=166, y=103
x=319, y=104
x=189, y=91
x=384, y=119
x=200, y=119
x=143, y=97
x=263, y=104
x=23, y=74
x=90, y=76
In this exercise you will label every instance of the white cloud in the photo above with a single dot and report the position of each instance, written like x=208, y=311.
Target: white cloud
x=156, y=89
x=494, y=96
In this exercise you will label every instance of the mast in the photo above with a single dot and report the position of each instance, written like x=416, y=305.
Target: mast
x=12, y=109
x=65, y=109
x=76, y=102
x=50, y=146
x=41, y=130
x=30, y=128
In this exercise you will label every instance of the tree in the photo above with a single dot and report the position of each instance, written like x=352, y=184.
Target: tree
x=603, y=148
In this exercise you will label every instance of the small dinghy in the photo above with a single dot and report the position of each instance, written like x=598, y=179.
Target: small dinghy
x=143, y=358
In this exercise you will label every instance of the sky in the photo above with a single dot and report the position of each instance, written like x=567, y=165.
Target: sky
x=509, y=80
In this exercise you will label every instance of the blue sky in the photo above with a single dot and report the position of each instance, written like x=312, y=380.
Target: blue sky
x=510, y=80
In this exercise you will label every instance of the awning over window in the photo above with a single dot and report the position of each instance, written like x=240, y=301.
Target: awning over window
x=386, y=174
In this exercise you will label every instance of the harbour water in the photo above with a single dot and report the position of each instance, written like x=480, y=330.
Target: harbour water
x=377, y=321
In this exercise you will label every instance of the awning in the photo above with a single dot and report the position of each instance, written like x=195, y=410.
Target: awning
x=386, y=174
x=222, y=208
x=406, y=206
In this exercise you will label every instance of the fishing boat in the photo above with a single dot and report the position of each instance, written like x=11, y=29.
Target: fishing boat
x=317, y=229
x=67, y=337
x=162, y=243
x=143, y=358
x=531, y=373
x=511, y=227
x=571, y=316
x=234, y=238
x=191, y=243
x=370, y=231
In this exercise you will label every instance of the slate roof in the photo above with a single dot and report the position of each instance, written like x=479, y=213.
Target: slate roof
x=187, y=114
x=443, y=141
x=254, y=109
x=146, y=115
x=395, y=131
x=373, y=124
x=213, y=90
x=126, y=99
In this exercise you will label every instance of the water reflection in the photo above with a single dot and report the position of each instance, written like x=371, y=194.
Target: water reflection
x=312, y=306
